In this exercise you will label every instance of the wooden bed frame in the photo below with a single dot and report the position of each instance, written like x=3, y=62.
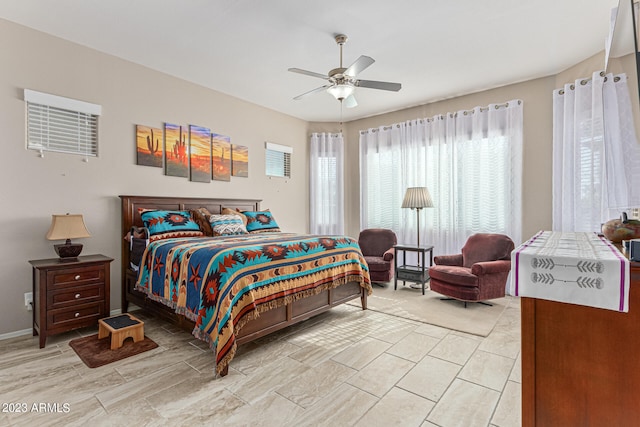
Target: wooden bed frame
x=268, y=322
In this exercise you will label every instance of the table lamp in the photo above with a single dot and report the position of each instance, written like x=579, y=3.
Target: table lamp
x=417, y=198
x=67, y=227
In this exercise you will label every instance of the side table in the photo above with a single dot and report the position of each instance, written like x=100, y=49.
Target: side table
x=412, y=273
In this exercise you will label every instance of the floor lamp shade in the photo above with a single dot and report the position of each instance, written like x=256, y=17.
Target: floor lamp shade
x=67, y=227
x=417, y=198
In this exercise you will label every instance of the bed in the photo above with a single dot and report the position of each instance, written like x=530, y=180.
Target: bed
x=255, y=313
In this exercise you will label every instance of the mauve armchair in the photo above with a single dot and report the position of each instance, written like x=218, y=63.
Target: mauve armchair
x=376, y=245
x=479, y=273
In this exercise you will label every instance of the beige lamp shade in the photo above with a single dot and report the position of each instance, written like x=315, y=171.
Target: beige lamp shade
x=67, y=226
x=417, y=198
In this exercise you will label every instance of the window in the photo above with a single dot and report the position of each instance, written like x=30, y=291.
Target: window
x=278, y=160
x=596, y=156
x=469, y=161
x=59, y=124
x=326, y=178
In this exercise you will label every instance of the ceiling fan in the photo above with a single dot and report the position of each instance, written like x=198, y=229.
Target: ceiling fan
x=343, y=81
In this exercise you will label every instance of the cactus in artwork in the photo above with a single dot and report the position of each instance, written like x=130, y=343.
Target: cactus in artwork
x=153, y=149
x=180, y=149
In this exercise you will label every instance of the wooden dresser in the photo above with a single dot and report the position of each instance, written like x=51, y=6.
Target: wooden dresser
x=581, y=365
x=69, y=295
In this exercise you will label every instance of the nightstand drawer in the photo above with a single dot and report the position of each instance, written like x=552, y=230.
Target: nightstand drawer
x=79, y=314
x=74, y=296
x=76, y=276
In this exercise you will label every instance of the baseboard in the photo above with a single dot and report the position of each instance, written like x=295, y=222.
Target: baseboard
x=30, y=330
x=16, y=334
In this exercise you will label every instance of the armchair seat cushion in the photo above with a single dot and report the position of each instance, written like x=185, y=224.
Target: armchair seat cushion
x=377, y=263
x=461, y=276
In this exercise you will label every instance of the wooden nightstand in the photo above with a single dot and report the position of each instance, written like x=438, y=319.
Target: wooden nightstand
x=69, y=295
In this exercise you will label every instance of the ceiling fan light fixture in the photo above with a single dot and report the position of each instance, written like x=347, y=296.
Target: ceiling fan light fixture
x=341, y=91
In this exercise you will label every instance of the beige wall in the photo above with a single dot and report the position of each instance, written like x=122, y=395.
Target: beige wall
x=34, y=188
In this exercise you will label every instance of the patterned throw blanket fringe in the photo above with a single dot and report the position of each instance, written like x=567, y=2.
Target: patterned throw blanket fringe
x=224, y=362
x=221, y=284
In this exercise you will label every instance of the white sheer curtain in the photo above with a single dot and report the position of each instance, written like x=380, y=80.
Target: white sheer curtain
x=471, y=162
x=596, y=157
x=327, y=183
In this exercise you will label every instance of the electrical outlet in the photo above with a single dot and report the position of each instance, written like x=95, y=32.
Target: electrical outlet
x=28, y=300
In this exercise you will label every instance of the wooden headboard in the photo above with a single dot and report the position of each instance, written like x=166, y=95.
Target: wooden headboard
x=131, y=206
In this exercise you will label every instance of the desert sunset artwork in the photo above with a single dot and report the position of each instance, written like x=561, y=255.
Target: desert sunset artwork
x=239, y=160
x=200, y=153
x=220, y=157
x=149, y=146
x=176, y=151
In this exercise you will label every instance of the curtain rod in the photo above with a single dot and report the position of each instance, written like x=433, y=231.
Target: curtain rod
x=583, y=82
x=482, y=109
x=438, y=117
x=334, y=134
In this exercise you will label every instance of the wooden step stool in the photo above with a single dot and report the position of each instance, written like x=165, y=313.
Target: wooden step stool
x=121, y=327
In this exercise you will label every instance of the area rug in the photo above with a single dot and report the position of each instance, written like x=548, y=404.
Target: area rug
x=95, y=352
x=409, y=303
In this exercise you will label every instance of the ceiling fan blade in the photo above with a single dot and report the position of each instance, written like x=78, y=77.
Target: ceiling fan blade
x=318, y=89
x=372, y=84
x=350, y=101
x=309, y=73
x=360, y=65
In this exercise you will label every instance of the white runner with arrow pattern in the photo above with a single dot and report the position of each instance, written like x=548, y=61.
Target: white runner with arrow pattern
x=576, y=268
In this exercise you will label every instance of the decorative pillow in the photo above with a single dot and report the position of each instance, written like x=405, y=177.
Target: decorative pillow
x=229, y=211
x=166, y=224
x=200, y=216
x=261, y=222
x=227, y=225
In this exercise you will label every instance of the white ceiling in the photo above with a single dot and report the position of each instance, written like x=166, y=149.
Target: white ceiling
x=436, y=48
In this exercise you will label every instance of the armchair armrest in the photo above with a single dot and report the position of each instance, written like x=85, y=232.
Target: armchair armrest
x=389, y=254
x=448, y=259
x=491, y=267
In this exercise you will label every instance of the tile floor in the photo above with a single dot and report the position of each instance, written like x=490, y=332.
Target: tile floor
x=346, y=367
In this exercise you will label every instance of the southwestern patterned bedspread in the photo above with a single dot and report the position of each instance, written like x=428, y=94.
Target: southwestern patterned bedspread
x=221, y=283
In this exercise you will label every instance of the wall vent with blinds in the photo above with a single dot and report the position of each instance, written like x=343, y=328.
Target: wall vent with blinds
x=59, y=124
x=278, y=160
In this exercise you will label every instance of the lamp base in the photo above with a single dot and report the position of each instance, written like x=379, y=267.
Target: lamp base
x=68, y=251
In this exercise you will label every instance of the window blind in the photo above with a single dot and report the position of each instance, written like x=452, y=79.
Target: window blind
x=278, y=160
x=62, y=125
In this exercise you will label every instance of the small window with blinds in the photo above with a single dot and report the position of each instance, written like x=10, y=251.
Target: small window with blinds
x=62, y=125
x=278, y=160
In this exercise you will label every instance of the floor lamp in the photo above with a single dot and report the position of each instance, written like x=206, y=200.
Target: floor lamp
x=417, y=198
